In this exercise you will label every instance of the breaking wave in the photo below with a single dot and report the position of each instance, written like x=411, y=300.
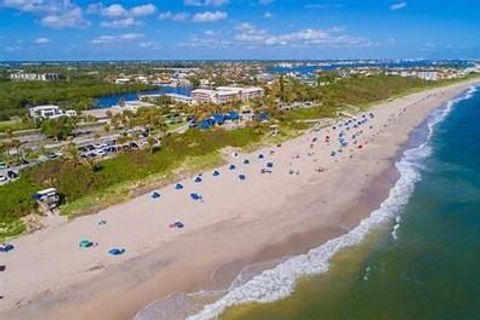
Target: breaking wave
x=279, y=282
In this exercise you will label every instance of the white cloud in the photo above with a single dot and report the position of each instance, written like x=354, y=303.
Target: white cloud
x=398, y=6
x=149, y=45
x=332, y=37
x=114, y=39
x=268, y=15
x=117, y=10
x=114, y=10
x=168, y=15
x=143, y=10
x=53, y=13
x=69, y=18
x=206, y=3
x=209, y=16
x=119, y=16
x=41, y=40
x=121, y=23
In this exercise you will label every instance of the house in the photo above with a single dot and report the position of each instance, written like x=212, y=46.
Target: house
x=50, y=112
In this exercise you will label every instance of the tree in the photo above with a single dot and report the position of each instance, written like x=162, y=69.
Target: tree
x=151, y=143
x=71, y=154
x=59, y=128
x=282, y=87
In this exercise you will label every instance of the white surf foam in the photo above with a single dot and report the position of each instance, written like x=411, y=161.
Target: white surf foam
x=279, y=282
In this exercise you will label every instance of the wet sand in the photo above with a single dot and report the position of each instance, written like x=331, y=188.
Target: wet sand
x=262, y=219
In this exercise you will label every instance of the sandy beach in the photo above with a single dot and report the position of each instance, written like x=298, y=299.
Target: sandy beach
x=311, y=193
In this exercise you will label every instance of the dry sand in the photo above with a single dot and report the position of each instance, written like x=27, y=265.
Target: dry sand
x=263, y=218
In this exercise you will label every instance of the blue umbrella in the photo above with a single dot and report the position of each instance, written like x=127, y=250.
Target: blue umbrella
x=178, y=186
x=242, y=177
x=269, y=164
x=261, y=156
x=7, y=247
x=216, y=173
x=116, y=251
x=195, y=196
x=198, y=179
x=231, y=167
x=155, y=195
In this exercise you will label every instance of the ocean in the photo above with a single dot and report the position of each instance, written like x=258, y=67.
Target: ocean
x=415, y=257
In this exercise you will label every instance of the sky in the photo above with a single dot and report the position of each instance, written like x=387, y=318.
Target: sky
x=238, y=29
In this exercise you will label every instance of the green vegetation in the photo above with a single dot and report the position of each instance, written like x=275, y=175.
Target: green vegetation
x=89, y=184
x=80, y=180
x=59, y=128
x=15, y=125
x=76, y=94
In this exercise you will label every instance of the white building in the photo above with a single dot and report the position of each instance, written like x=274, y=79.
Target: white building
x=50, y=112
x=179, y=98
x=122, y=81
x=203, y=95
x=227, y=94
x=21, y=76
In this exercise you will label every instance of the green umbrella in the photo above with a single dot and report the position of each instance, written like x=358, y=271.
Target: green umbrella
x=85, y=243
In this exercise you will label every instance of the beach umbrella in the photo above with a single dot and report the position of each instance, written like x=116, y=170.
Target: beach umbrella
x=332, y=153
x=85, y=243
x=246, y=161
x=7, y=247
x=195, y=196
x=261, y=156
x=178, y=186
x=155, y=195
x=198, y=179
x=242, y=177
x=231, y=167
x=116, y=251
x=269, y=164
x=216, y=173
x=177, y=224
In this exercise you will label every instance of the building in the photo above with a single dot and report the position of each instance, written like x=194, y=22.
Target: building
x=179, y=98
x=122, y=81
x=227, y=94
x=203, y=95
x=21, y=76
x=50, y=112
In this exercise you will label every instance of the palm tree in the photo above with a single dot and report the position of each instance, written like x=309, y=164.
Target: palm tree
x=71, y=154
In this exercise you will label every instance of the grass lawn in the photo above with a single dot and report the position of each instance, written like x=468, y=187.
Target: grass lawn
x=14, y=125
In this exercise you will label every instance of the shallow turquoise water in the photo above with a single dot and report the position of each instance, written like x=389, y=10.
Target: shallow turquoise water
x=430, y=270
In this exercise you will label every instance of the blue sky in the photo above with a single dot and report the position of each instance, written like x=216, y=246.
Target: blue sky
x=238, y=29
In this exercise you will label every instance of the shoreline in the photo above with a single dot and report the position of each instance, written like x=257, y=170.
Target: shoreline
x=151, y=273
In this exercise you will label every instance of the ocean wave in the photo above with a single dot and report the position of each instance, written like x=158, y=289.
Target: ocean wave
x=279, y=282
